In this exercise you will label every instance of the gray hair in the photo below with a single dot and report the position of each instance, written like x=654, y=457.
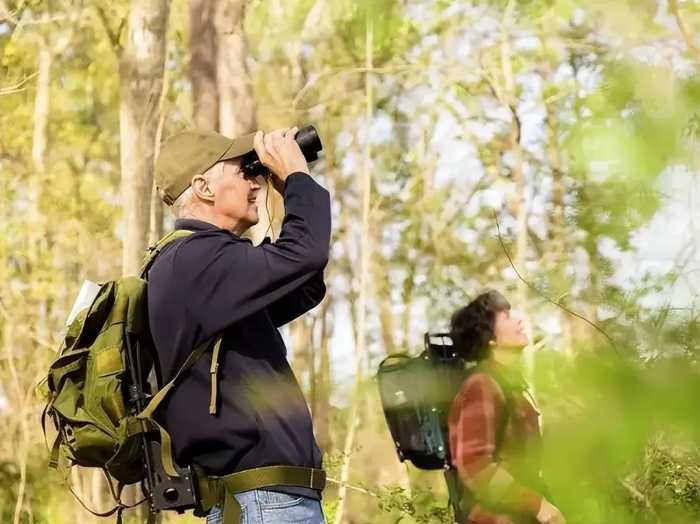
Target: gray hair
x=183, y=207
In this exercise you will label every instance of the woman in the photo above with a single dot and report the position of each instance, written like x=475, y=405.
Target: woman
x=493, y=426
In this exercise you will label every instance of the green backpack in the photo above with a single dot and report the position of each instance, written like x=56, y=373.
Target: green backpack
x=89, y=390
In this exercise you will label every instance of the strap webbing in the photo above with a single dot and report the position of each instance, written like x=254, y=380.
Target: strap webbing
x=166, y=450
x=255, y=479
x=153, y=404
x=153, y=251
x=213, y=376
x=147, y=413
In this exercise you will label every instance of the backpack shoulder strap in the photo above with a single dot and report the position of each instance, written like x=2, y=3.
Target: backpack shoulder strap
x=147, y=413
x=156, y=248
x=507, y=389
x=214, y=344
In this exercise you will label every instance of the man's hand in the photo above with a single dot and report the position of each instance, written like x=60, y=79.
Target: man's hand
x=280, y=154
x=549, y=514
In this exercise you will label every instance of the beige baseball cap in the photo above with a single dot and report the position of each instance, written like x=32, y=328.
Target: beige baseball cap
x=191, y=153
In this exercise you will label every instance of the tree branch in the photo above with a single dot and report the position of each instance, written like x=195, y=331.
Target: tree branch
x=18, y=87
x=114, y=36
x=8, y=16
x=687, y=36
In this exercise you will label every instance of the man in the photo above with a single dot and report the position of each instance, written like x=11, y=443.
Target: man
x=247, y=411
x=493, y=426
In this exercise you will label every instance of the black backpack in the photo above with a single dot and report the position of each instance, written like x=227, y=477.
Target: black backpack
x=416, y=395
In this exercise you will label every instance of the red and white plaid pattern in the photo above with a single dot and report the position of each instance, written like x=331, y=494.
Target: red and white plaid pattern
x=473, y=423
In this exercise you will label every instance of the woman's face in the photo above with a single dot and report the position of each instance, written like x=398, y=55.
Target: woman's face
x=510, y=330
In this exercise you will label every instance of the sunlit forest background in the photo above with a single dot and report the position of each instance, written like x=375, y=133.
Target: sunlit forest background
x=545, y=148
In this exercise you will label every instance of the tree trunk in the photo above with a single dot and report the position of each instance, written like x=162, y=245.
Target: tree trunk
x=156, y=220
x=300, y=334
x=236, y=103
x=322, y=401
x=40, y=139
x=408, y=288
x=558, y=239
x=382, y=291
x=360, y=347
x=157, y=205
x=203, y=64
x=519, y=203
x=21, y=405
x=141, y=65
x=236, y=109
x=41, y=108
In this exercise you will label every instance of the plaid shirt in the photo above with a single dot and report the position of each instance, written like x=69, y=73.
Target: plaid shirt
x=494, y=473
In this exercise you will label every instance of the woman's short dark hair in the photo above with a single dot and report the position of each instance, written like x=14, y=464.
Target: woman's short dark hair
x=472, y=326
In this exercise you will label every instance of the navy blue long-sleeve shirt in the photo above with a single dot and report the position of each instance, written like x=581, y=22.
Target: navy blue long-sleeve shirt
x=214, y=282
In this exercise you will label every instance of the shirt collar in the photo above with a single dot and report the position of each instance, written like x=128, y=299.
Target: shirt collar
x=192, y=224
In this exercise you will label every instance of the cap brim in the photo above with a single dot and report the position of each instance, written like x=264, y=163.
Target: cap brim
x=239, y=147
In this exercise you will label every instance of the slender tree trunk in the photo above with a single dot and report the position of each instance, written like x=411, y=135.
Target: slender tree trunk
x=157, y=205
x=408, y=287
x=203, y=64
x=382, y=291
x=141, y=75
x=519, y=203
x=354, y=422
x=366, y=248
x=558, y=240
x=557, y=226
x=23, y=448
x=22, y=405
x=40, y=138
x=41, y=108
x=141, y=70
x=236, y=103
x=301, y=335
x=322, y=405
x=687, y=33
x=361, y=357
x=156, y=217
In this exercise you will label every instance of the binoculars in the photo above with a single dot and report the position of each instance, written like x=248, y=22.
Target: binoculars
x=309, y=143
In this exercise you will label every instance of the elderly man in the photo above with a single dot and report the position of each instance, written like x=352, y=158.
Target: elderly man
x=238, y=414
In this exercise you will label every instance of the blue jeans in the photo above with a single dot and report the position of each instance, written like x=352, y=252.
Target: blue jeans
x=269, y=507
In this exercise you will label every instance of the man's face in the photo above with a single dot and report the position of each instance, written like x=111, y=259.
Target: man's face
x=235, y=195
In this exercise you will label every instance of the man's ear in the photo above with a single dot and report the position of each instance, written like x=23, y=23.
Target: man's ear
x=202, y=189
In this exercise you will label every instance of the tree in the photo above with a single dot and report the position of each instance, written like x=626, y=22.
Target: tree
x=204, y=45
x=141, y=62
